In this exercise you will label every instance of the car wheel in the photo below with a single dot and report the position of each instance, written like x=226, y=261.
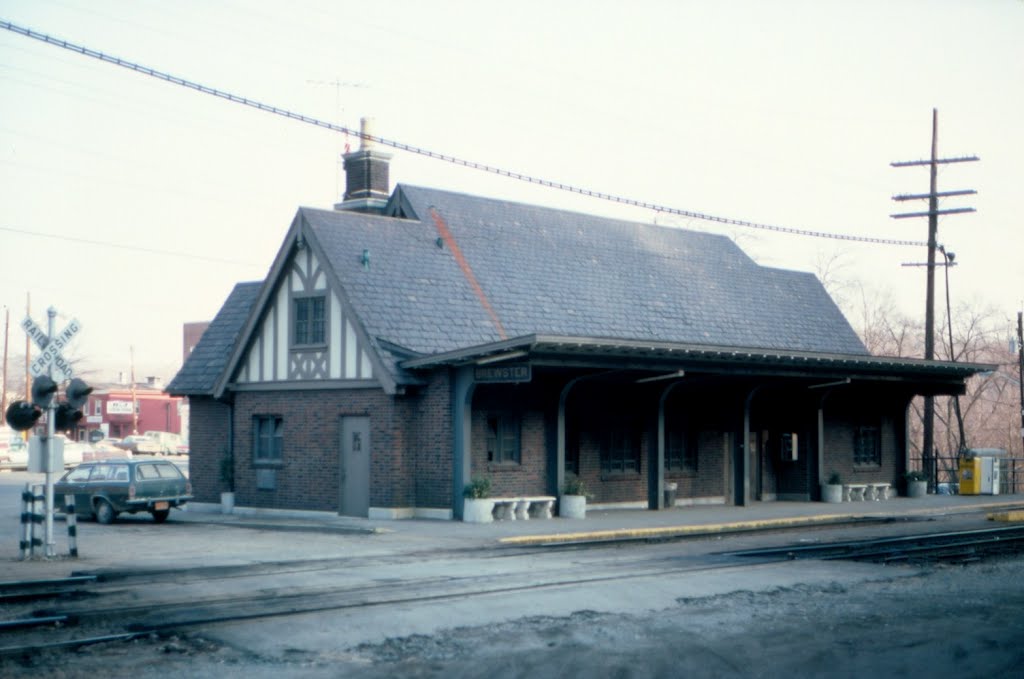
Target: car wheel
x=160, y=515
x=104, y=512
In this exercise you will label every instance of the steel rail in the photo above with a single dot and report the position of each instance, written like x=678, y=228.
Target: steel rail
x=919, y=544
x=159, y=618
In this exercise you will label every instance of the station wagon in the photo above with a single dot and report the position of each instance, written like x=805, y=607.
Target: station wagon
x=107, y=488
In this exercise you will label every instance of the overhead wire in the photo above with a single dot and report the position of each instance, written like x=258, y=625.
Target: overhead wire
x=454, y=160
x=123, y=246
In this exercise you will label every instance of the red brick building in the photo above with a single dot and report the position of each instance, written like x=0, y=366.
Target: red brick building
x=408, y=341
x=109, y=409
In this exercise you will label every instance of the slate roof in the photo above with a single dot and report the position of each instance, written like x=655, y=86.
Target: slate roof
x=522, y=270
x=204, y=366
x=555, y=272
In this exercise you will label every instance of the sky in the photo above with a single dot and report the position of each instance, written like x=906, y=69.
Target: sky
x=133, y=206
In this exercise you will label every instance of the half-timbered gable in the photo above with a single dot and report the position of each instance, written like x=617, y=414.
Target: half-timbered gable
x=305, y=333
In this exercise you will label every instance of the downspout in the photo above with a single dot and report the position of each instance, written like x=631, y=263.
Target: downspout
x=231, y=443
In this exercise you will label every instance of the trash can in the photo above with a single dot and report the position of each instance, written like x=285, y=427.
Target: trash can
x=670, y=493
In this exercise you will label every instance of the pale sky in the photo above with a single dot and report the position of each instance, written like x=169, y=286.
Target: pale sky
x=134, y=206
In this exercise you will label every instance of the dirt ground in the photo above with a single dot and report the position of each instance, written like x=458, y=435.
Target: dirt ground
x=949, y=621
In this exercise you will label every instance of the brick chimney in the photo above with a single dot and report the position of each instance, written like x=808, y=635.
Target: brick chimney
x=366, y=175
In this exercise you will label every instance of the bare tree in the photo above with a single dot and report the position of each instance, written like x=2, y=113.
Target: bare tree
x=990, y=406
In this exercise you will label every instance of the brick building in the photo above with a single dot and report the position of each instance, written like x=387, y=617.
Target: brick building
x=109, y=410
x=410, y=340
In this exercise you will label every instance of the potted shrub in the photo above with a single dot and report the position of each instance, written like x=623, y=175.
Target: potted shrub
x=917, y=483
x=227, y=477
x=476, y=507
x=573, y=502
x=832, y=490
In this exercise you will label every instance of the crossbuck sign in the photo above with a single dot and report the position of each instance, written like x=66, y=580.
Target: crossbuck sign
x=51, y=348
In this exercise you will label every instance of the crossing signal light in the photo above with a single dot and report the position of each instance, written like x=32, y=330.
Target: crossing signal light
x=22, y=415
x=77, y=393
x=43, y=389
x=66, y=417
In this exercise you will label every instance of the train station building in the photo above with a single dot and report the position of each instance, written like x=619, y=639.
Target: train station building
x=412, y=339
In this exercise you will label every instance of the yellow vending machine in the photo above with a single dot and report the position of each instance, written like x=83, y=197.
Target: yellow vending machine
x=979, y=471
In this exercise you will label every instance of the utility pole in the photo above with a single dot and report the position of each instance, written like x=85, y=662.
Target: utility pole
x=7, y=327
x=933, y=213
x=1020, y=368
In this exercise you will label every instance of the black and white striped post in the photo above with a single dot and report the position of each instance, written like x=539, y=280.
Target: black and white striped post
x=30, y=518
x=71, y=520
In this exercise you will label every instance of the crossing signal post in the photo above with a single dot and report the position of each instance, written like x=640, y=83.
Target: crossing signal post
x=62, y=415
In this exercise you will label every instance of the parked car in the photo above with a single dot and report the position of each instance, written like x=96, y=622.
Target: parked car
x=105, y=451
x=107, y=488
x=74, y=451
x=13, y=450
x=168, y=442
x=139, y=444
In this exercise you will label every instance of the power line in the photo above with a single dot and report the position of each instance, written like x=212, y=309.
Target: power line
x=267, y=108
x=122, y=246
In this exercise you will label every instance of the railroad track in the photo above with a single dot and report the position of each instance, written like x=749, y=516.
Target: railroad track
x=955, y=547
x=105, y=607
x=98, y=611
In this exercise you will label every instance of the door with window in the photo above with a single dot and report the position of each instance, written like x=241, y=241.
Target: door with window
x=355, y=466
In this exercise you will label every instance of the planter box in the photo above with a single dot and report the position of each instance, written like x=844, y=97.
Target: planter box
x=477, y=510
x=917, y=488
x=831, y=493
x=572, y=506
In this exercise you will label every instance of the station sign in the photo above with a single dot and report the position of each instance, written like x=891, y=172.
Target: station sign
x=511, y=372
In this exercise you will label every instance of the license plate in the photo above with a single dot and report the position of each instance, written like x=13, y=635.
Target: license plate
x=160, y=505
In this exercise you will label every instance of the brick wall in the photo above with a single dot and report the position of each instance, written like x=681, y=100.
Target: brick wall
x=309, y=474
x=430, y=439
x=208, y=443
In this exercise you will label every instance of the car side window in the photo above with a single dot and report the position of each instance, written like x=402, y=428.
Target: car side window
x=119, y=472
x=98, y=474
x=168, y=471
x=146, y=471
x=79, y=474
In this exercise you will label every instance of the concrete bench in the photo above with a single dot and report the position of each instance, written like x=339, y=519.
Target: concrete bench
x=523, y=508
x=878, y=491
x=854, y=492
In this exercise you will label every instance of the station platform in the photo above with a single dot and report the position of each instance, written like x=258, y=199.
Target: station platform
x=610, y=524
x=200, y=536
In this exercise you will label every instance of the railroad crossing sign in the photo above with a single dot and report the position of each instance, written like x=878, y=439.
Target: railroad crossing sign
x=51, y=348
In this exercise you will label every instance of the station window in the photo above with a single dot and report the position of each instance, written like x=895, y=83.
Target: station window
x=867, y=447
x=621, y=451
x=310, y=321
x=268, y=435
x=680, y=451
x=503, y=438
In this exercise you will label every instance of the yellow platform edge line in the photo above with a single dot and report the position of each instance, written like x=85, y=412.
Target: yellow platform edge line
x=697, y=529
x=666, y=531
x=1007, y=516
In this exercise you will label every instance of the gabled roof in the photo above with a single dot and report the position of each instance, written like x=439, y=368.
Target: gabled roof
x=440, y=272
x=199, y=375
x=463, y=270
